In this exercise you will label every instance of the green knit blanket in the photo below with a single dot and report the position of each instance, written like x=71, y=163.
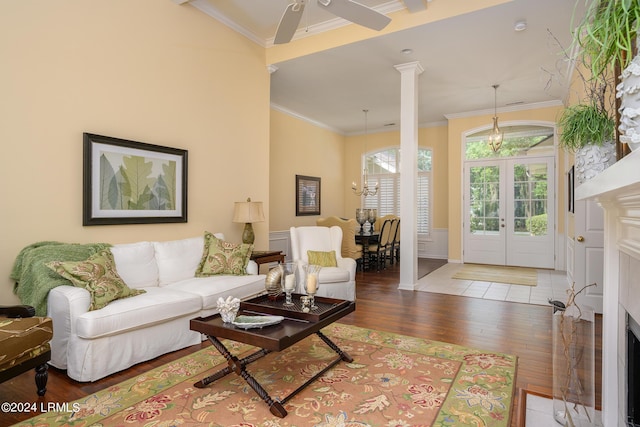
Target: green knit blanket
x=34, y=279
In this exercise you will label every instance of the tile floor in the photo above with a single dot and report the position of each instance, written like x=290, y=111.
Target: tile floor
x=540, y=413
x=551, y=285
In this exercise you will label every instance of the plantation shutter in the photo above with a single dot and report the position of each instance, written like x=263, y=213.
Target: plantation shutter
x=423, y=202
x=387, y=200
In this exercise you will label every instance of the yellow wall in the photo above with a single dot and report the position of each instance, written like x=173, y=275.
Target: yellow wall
x=457, y=129
x=429, y=137
x=300, y=148
x=145, y=70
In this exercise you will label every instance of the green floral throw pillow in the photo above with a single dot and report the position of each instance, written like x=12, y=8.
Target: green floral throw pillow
x=97, y=275
x=323, y=259
x=222, y=257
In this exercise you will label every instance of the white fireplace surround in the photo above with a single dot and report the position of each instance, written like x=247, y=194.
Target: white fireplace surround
x=617, y=190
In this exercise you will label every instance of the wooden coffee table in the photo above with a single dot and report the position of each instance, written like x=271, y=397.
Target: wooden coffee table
x=296, y=326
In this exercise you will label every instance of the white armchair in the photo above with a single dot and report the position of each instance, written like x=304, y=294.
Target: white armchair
x=335, y=282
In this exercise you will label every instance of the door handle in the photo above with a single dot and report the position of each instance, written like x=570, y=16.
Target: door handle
x=580, y=239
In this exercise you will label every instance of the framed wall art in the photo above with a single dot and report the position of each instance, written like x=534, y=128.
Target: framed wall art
x=129, y=182
x=307, y=195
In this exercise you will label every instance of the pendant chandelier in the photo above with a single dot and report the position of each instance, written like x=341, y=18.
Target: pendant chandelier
x=496, y=135
x=366, y=190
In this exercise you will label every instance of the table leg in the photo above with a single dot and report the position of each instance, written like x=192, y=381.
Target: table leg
x=343, y=355
x=238, y=366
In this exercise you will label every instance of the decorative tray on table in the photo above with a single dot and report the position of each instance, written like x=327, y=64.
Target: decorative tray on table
x=262, y=304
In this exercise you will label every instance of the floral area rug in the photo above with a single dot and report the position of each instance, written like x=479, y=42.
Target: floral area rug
x=394, y=380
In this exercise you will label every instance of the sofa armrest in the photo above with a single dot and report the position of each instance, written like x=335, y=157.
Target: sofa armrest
x=252, y=267
x=64, y=305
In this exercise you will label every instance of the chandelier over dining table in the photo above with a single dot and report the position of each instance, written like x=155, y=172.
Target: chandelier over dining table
x=367, y=190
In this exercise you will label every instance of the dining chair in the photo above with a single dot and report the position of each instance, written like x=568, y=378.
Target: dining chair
x=379, y=251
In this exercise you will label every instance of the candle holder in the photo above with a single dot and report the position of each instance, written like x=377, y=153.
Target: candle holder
x=288, y=281
x=311, y=283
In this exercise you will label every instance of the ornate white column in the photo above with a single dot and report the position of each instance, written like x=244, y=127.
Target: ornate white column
x=409, y=73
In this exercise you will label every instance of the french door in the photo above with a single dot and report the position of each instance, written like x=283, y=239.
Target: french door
x=510, y=212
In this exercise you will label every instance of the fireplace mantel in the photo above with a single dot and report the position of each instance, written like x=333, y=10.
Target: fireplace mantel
x=617, y=190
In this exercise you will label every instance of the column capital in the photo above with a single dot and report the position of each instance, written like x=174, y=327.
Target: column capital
x=410, y=66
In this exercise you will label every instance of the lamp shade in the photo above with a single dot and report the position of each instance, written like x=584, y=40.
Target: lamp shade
x=248, y=212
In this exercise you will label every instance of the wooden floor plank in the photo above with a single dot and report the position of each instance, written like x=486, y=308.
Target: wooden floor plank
x=499, y=326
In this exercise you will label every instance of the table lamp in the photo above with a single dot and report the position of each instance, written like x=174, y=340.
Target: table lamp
x=248, y=212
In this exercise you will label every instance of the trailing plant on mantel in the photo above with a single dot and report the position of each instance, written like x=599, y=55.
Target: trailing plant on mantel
x=608, y=33
x=590, y=122
x=585, y=124
x=608, y=38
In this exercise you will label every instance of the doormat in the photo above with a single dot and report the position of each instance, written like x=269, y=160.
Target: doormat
x=498, y=274
x=394, y=380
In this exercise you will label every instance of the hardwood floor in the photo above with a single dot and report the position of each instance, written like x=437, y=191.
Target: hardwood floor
x=513, y=328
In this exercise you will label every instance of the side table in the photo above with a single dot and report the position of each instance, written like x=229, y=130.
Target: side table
x=265, y=257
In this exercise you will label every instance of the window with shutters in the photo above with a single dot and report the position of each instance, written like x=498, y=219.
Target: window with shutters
x=383, y=167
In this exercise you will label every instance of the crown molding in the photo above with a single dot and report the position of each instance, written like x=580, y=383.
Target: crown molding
x=208, y=9
x=306, y=119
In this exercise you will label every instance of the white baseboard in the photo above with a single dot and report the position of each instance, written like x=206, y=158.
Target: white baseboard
x=436, y=246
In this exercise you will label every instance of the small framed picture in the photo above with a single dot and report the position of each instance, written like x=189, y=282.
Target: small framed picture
x=307, y=195
x=129, y=182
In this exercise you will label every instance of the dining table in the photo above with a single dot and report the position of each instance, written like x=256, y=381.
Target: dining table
x=366, y=238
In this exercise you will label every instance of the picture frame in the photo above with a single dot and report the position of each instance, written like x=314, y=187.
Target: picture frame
x=570, y=188
x=307, y=195
x=130, y=182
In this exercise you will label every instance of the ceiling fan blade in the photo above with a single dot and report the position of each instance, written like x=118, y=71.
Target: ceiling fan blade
x=356, y=13
x=289, y=23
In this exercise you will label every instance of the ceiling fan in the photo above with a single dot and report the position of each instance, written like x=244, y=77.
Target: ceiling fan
x=346, y=9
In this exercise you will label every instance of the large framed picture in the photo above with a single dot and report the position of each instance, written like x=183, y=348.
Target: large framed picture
x=307, y=195
x=129, y=182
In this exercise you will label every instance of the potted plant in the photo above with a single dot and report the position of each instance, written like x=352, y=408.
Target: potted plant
x=583, y=125
x=588, y=130
x=608, y=37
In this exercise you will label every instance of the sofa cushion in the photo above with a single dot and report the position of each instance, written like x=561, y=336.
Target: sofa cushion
x=97, y=275
x=333, y=275
x=221, y=257
x=155, y=306
x=136, y=264
x=209, y=289
x=178, y=259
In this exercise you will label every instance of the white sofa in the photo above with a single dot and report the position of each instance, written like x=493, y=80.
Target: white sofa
x=334, y=282
x=93, y=344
